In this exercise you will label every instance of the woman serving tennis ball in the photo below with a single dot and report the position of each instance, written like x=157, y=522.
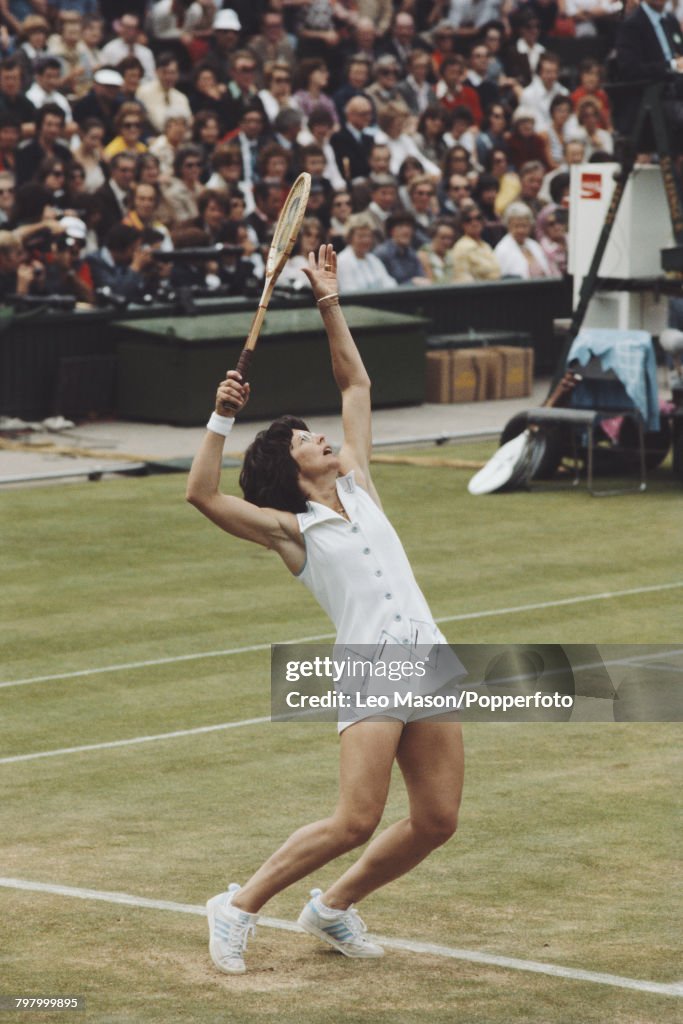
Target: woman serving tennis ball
x=319, y=511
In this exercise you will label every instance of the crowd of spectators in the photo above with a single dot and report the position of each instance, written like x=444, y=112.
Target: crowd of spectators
x=438, y=135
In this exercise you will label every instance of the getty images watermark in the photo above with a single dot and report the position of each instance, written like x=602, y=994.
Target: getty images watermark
x=478, y=682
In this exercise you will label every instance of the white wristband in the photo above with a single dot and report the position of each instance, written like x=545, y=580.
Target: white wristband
x=220, y=424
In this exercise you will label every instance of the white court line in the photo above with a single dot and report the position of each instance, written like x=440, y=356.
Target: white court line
x=403, y=945
x=623, y=662
x=135, y=739
x=463, y=617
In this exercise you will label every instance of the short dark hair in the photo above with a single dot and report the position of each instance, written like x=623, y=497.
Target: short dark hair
x=45, y=110
x=121, y=236
x=212, y=195
x=43, y=64
x=270, y=476
x=394, y=220
x=165, y=59
x=184, y=153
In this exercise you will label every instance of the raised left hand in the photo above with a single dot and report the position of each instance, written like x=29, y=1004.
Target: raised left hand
x=322, y=271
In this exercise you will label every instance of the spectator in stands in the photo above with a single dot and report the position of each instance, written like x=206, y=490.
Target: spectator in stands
x=508, y=180
x=102, y=102
x=318, y=35
x=523, y=54
x=525, y=144
x=477, y=76
x=121, y=262
x=267, y=204
x=76, y=64
x=242, y=94
x=240, y=275
x=423, y=205
x=160, y=97
x=356, y=80
x=12, y=100
x=518, y=254
x=494, y=131
x=115, y=193
x=277, y=94
x=357, y=268
x=473, y=258
x=459, y=161
x=430, y=129
x=554, y=136
x=214, y=209
x=127, y=44
x=544, y=88
x=10, y=131
x=416, y=89
x=574, y=153
x=383, y=202
x=145, y=202
x=402, y=39
x=176, y=22
x=207, y=93
x=16, y=270
x=384, y=89
x=165, y=147
x=32, y=213
x=530, y=184
x=590, y=78
x=286, y=130
x=397, y=252
x=274, y=166
x=594, y=138
x=75, y=186
x=436, y=255
x=393, y=122
x=7, y=190
x=249, y=140
x=128, y=125
x=91, y=35
x=341, y=211
x=352, y=143
x=226, y=165
x=52, y=174
x=223, y=43
x=272, y=45
x=469, y=17
x=365, y=35
x=47, y=73
x=452, y=91
x=312, y=81
x=183, y=192
x=320, y=128
x=551, y=232
x=463, y=132
x=485, y=195
x=33, y=32
x=206, y=132
x=89, y=153
x=132, y=73
x=458, y=191
x=49, y=129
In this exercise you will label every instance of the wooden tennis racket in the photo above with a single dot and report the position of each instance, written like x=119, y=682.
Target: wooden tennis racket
x=285, y=235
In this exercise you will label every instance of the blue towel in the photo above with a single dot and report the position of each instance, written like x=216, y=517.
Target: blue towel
x=630, y=354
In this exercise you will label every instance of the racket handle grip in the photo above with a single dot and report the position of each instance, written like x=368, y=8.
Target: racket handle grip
x=243, y=364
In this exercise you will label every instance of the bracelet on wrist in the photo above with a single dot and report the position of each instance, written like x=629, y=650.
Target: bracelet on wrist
x=332, y=300
x=220, y=424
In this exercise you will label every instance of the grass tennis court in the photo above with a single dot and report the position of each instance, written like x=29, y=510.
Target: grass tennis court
x=566, y=851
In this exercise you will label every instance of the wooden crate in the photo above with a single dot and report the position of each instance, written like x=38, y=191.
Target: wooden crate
x=517, y=371
x=463, y=375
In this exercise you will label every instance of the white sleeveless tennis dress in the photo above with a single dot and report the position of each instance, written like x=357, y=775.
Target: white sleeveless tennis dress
x=361, y=576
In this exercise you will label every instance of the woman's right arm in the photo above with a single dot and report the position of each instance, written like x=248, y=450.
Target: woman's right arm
x=270, y=527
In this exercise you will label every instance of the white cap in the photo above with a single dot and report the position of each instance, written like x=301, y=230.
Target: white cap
x=74, y=227
x=226, y=20
x=523, y=114
x=108, y=76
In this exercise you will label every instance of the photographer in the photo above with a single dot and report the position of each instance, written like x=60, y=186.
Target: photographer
x=66, y=273
x=121, y=262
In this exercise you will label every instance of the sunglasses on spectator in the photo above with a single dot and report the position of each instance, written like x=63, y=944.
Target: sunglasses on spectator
x=6, y=191
x=459, y=188
x=130, y=124
x=57, y=174
x=388, y=71
x=248, y=68
x=342, y=202
x=281, y=78
x=423, y=192
x=475, y=216
x=192, y=163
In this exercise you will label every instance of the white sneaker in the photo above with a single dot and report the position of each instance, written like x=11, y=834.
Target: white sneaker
x=229, y=929
x=342, y=929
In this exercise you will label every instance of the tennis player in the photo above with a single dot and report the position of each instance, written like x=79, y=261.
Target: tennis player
x=319, y=511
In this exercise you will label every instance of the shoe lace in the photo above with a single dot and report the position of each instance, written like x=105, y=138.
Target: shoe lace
x=239, y=934
x=354, y=922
